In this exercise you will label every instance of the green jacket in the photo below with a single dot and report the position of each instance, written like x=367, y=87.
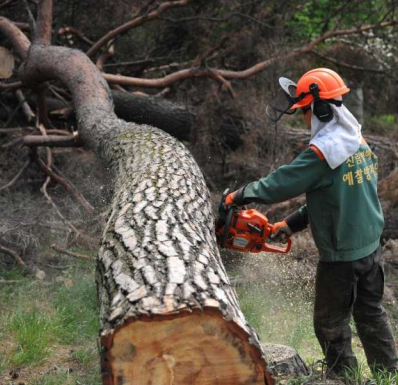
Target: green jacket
x=342, y=207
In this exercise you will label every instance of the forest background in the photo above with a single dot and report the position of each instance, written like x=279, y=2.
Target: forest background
x=214, y=67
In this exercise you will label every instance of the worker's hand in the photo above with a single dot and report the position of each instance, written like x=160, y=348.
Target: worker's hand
x=281, y=231
x=235, y=198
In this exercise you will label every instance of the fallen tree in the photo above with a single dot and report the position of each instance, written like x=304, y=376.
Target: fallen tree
x=167, y=310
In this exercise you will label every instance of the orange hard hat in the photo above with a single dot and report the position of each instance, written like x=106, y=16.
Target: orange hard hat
x=330, y=85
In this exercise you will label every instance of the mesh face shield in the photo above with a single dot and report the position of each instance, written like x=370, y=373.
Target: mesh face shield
x=282, y=102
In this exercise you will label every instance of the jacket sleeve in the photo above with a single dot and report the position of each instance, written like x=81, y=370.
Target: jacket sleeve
x=307, y=172
x=298, y=220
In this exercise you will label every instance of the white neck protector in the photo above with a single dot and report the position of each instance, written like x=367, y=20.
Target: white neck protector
x=338, y=139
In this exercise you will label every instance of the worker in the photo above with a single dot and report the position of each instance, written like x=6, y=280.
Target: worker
x=338, y=173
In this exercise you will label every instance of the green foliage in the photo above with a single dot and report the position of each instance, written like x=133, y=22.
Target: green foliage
x=355, y=375
x=380, y=124
x=33, y=331
x=37, y=318
x=4, y=363
x=77, y=310
x=316, y=17
x=85, y=355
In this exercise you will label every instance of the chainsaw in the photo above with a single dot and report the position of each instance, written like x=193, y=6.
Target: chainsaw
x=246, y=230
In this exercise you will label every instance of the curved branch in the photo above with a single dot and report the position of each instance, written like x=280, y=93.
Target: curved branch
x=65, y=30
x=76, y=195
x=166, y=80
x=226, y=74
x=135, y=23
x=15, y=255
x=16, y=177
x=18, y=39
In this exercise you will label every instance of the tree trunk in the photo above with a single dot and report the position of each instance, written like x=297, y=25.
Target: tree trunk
x=168, y=313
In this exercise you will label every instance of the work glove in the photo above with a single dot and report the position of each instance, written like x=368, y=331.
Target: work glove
x=281, y=231
x=235, y=198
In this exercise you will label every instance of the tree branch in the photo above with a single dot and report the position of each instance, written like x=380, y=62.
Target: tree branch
x=16, y=177
x=71, y=253
x=135, y=23
x=30, y=115
x=44, y=22
x=72, y=190
x=6, y=3
x=51, y=141
x=349, y=66
x=10, y=86
x=31, y=19
x=74, y=31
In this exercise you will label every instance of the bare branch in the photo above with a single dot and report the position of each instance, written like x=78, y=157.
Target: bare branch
x=226, y=74
x=13, y=130
x=74, y=31
x=51, y=141
x=6, y=3
x=68, y=223
x=349, y=66
x=32, y=21
x=12, y=143
x=22, y=26
x=10, y=86
x=104, y=57
x=44, y=22
x=16, y=177
x=42, y=110
x=18, y=260
x=71, y=253
x=220, y=19
x=11, y=117
x=160, y=82
x=63, y=182
x=30, y=115
x=137, y=62
x=135, y=23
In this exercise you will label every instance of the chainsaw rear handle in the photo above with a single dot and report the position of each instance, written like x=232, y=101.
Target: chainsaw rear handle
x=278, y=249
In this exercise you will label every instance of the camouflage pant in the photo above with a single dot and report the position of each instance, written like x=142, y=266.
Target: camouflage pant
x=353, y=288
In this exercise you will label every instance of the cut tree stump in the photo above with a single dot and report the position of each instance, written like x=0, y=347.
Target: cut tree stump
x=284, y=361
x=193, y=348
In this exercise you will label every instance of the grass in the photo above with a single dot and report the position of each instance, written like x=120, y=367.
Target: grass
x=277, y=305
x=33, y=333
x=278, y=318
x=49, y=330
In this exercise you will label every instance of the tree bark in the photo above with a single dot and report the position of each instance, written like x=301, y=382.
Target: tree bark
x=285, y=361
x=160, y=276
x=167, y=309
x=171, y=117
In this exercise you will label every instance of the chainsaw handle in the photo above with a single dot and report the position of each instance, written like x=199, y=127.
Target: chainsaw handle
x=278, y=249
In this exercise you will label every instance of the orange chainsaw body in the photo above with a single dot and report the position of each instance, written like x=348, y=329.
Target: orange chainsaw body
x=248, y=231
